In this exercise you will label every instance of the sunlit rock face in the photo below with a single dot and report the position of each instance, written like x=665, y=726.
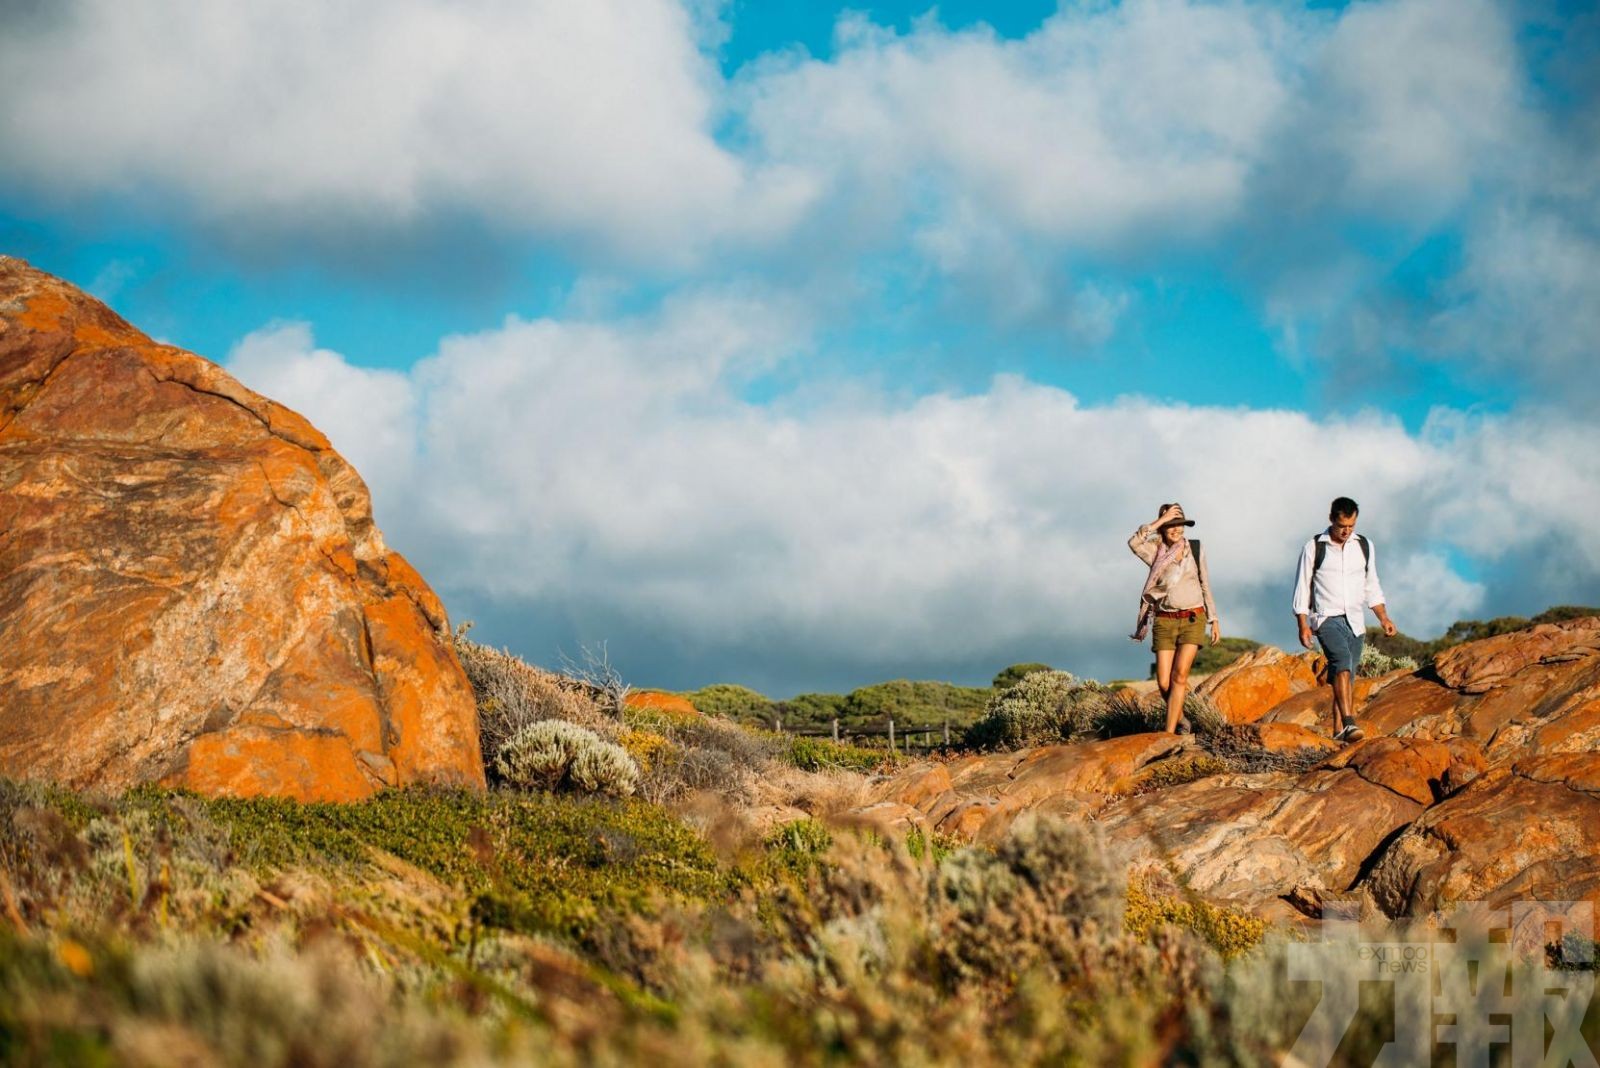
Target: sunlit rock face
x=192, y=588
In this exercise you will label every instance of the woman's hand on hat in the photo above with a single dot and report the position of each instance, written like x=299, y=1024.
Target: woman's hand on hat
x=1170, y=514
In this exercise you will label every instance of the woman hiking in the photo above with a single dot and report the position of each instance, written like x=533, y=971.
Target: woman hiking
x=1177, y=594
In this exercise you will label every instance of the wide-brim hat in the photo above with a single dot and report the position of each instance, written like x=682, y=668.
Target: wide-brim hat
x=1182, y=520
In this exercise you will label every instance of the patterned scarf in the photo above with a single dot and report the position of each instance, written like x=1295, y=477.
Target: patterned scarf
x=1166, y=556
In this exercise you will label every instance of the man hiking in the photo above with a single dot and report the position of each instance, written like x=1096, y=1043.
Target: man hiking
x=1337, y=579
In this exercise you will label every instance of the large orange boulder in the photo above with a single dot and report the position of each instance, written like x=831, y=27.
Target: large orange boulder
x=1480, y=666
x=192, y=588
x=1526, y=832
x=1257, y=682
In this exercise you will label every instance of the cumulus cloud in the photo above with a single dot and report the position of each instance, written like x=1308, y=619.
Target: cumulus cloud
x=1028, y=181
x=367, y=414
x=592, y=119
x=1409, y=100
x=608, y=479
x=1106, y=121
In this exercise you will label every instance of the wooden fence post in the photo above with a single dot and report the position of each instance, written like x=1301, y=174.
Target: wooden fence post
x=836, y=730
x=947, y=734
x=891, y=736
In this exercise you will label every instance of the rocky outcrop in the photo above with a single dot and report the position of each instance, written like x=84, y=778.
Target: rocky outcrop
x=192, y=588
x=980, y=796
x=1252, y=840
x=1480, y=782
x=1530, y=831
x=1257, y=682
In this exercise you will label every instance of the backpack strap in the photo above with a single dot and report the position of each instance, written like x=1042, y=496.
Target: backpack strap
x=1316, y=565
x=1322, y=553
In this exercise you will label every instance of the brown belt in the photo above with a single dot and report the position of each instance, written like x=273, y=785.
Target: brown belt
x=1188, y=613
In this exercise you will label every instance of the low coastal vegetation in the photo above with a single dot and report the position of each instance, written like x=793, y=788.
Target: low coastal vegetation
x=642, y=882
x=159, y=928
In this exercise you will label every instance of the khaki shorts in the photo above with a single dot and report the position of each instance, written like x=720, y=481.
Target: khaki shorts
x=1171, y=633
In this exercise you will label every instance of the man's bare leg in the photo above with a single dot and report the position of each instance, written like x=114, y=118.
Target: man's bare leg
x=1180, y=685
x=1343, y=712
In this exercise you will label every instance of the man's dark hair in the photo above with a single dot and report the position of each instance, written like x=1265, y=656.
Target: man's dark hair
x=1343, y=506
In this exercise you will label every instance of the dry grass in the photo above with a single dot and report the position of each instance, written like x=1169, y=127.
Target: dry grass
x=513, y=694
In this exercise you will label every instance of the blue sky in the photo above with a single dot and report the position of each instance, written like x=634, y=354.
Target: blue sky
x=805, y=346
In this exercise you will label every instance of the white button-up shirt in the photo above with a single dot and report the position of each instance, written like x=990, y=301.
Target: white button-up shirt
x=1346, y=586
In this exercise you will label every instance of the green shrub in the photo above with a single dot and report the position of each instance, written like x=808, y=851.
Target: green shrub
x=798, y=846
x=812, y=709
x=1127, y=712
x=1043, y=708
x=1028, y=905
x=555, y=755
x=934, y=846
x=534, y=862
x=1010, y=676
x=513, y=694
x=1228, y=931
x=920, y=704
x=1051, y=707
x=738, y=703
x=909, y=704
x=815, y=754
x=1375, y=662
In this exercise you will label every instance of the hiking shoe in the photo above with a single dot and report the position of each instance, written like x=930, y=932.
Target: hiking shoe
x=1349, y=733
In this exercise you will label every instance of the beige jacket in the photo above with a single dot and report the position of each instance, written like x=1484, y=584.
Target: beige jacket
x=1186, y=584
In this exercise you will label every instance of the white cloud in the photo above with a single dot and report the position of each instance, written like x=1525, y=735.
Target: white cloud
x=614, y=467
x=367, y=414
x=591, y=119
x=1426, y=593
x=1105, y=121
x=1527, y=298
x=1411, y=99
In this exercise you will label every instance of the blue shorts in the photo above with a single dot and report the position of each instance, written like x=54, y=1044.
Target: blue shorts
x=1340, y=644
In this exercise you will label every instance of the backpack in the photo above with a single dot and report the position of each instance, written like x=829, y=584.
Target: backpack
x=1322, y=552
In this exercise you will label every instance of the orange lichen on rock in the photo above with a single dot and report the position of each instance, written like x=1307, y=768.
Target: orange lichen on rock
x=1257, y=682
x=191, y=585
x=661, y=701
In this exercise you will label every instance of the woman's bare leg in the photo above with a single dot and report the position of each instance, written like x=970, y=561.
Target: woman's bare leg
x=1164, y=671
x=1179, y=686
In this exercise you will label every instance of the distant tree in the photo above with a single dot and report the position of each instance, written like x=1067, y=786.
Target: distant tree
x=1563, y=612
x=915, y=703
x=1468, y=630
x=1014, y=674
x=738, y=703
x=812, y=709
x=1400, y=644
